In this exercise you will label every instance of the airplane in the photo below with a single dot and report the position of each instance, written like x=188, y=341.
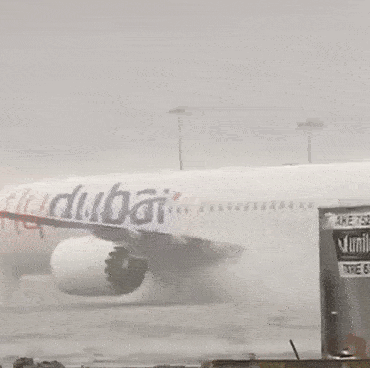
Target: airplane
x=239, y=234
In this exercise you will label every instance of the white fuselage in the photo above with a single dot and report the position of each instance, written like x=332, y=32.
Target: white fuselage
x=221, y=205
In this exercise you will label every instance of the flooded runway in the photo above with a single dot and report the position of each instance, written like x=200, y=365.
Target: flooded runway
x=42, y=323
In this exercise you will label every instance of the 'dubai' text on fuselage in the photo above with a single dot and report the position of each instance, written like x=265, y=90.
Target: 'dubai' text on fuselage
x=125, y=206
x=112, y=208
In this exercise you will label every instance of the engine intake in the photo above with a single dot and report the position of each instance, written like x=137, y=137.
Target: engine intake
x=89, y=266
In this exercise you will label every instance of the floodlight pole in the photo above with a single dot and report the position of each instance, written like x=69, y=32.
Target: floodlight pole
x=309, y=150
x=179, y=122
x=308, y=126
x=181, y=110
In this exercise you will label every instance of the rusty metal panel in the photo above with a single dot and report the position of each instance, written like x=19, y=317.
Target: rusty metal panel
x=345, y=280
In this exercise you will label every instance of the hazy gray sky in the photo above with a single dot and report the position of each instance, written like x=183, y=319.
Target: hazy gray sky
x=86, y=85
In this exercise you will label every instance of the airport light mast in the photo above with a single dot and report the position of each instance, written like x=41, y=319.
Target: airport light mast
x=180, y=111
x=308, y=127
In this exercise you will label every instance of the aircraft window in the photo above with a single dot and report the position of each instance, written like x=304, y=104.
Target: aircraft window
x=211, y=209
x=273, y=206
x=201, y=209
x=230, y=206
x=186, y=210
x=282, y=205
x=255, y=206
x=237, y=208
x=178, y=210
x=246, y=207
x=291, y=205
x=264, y=206
x=220, y=208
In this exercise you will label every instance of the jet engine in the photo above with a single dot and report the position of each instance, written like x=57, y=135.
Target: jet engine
x=89, y=266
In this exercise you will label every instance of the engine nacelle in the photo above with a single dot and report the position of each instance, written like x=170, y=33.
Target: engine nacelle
x=90, y=266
